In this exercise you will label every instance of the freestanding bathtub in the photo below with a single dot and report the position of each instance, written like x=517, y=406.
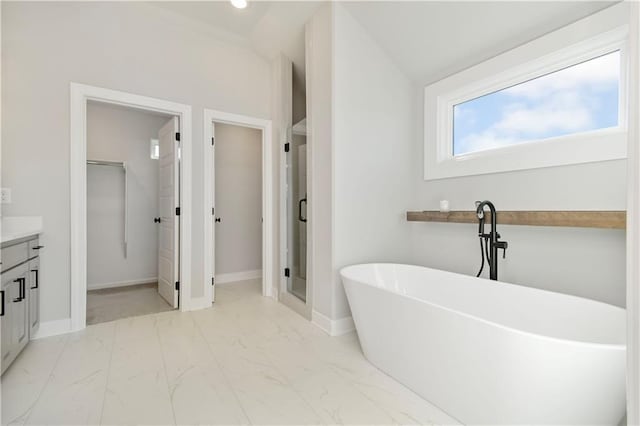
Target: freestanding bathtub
x=488, y=352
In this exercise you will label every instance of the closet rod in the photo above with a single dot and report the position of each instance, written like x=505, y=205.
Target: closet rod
x=105, y=163
x=126, y=196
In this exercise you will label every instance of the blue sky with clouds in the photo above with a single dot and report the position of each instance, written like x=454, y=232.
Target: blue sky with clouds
x=577, y=99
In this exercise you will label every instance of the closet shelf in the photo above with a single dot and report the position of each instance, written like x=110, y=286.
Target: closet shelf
x=611, y=219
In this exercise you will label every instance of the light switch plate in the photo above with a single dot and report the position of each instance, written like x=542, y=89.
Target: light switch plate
x=5, y=195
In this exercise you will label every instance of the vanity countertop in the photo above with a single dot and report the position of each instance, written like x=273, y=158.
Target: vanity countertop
x=16, y=227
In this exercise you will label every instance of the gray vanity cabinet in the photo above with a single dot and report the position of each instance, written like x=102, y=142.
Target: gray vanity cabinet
x=19, y=296
x=15, y=321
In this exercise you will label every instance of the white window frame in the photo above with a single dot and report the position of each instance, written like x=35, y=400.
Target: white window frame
x=540, y=57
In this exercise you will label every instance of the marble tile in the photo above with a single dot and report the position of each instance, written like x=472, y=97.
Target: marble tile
x=138, y=399
x=25, y=379
x=267, y=398
x=137, y=388
x=202, y=395
x=75, y=392
x=199, y=392
x=247, y=360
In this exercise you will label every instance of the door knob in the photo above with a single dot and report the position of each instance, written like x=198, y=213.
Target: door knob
x=218, y=220
x=157, y=220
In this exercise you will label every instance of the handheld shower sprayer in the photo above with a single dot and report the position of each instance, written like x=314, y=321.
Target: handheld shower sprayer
x=480, y=214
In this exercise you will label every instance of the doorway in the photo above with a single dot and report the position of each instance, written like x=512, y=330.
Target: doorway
x=173, y=196
x=237, y=218
x=235, y=195
x=296, y=195
x=132, y=237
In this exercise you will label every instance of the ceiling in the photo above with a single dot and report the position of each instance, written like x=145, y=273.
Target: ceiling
x=428, y=40
x=433, y=39
x=269, y=27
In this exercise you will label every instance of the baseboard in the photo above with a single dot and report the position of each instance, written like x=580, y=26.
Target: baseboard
x=53, y=328
x=333, y=327
x=121, y=283
x=238, y=276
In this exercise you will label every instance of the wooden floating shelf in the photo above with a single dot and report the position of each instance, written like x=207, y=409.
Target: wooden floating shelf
x=579, y=219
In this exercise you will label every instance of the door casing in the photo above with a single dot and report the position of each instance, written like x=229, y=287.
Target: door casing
x=80, y=94
x=268, y=243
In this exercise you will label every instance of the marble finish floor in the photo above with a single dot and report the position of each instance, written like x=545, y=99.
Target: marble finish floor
x=110, y=304
x=247, y=360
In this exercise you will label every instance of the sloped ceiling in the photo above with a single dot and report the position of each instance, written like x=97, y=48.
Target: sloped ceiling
x=428, y=40
x=269, y=27
x=431, y=40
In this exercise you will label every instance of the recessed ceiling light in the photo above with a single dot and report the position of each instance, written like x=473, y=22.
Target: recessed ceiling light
x=239, y=4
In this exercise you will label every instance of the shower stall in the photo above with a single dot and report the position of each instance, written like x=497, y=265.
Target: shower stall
x=296, y=177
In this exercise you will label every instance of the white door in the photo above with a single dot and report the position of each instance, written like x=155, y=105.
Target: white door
x=168, y=187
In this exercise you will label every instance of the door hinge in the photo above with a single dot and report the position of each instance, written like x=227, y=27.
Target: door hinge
x=177, y=285
x=213, y=281
x=286, y=147
x=213, y=141
x=287, y=272
x=177, y=211
x=178, y=136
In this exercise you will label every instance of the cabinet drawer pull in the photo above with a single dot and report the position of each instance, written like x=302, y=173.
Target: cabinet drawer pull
x=37, y=279
x=38, y=247
x=2, y=303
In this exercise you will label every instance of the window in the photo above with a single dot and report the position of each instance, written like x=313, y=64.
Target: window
x=155, y=149
x=580, y=98
x=557, y=100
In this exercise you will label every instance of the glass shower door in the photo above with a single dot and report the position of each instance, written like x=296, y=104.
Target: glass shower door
x=297, y=217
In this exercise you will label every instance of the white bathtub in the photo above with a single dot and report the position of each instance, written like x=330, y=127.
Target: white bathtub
x=487, y=352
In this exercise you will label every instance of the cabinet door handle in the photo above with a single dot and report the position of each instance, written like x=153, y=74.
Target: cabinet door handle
x=38, y=247
x=2, y=302
x=37, y=278
x=20, y=282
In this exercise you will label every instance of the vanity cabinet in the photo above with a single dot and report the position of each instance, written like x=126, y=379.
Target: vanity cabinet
x=19, y=296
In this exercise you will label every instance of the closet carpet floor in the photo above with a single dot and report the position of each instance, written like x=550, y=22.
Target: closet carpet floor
x=111, y=304
x=246, y=360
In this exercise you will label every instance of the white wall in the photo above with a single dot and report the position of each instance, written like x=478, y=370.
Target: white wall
x=238, y=199
x=319, y=51
x=298, y=101
x=118, y=134
x=360, y=127
x=371, y=135
x=372, y=124
x=127, y=46
x=582, y=262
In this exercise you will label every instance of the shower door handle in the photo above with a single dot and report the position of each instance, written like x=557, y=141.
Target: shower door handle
x=300, y=218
